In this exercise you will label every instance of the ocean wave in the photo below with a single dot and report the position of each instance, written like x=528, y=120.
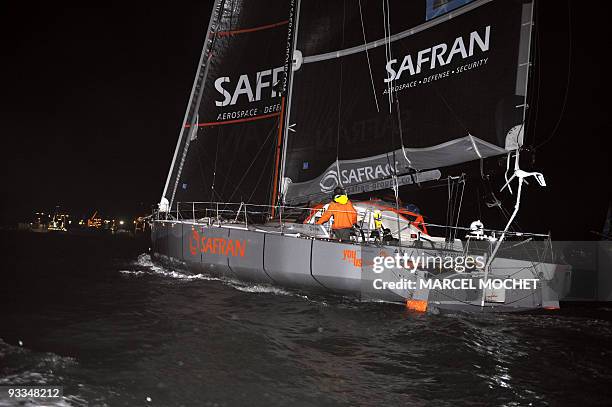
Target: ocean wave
x=257, y=288
x=144, y=265
x=171, y=274
x=21, y=366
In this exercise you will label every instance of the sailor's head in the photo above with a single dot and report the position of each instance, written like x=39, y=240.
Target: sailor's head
x=340, y=195
x=377, y=215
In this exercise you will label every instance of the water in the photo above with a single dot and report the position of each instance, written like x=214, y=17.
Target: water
x=99, y=317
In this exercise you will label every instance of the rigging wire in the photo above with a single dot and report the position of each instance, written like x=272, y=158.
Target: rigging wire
x=227, y=170
x=389, y=46
x=448, y=106
x=397, y=104
x=365, y=43
x=478, y=202
x=387, y=42
x=204, y=183
x=456, y=188
x=389, y=31
x=246, y=172
x=212, y=192
x=460, y=205
x=451, y=110
x=448, y=206
x=340, y=100
x=203, y=153
x=401, y=135
x=536, y=60
x=270, y=155
x=497, y=202
x=393, y=167
x=389, y=85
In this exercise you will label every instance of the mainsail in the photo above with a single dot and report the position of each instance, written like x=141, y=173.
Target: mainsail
x=382, y=89
x=228, y=140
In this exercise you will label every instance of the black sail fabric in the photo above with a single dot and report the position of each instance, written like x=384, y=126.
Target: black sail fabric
x=226, y=150
x=428, y=94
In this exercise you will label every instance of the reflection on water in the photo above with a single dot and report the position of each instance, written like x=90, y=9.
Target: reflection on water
x=115, y=328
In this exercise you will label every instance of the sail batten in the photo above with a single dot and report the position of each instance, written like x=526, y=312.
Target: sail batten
x=243, y=120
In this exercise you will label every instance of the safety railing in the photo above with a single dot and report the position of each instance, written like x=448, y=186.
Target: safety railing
x=254, y=216
x=213, y=212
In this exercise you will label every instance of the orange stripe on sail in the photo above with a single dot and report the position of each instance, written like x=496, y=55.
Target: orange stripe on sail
x=250, y=30
x=246, y=119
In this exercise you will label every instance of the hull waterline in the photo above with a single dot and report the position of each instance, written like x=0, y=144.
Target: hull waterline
x=327, y=266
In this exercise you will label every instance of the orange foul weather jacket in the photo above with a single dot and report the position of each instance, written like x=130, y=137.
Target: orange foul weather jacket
x=345, y=215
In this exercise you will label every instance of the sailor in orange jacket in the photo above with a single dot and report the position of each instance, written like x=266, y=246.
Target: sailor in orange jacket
x=345, y=215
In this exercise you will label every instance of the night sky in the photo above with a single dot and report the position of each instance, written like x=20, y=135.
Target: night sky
x=93, y=98
x=92, y=102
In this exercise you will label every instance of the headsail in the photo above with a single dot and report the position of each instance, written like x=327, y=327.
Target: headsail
x=381, y=88
x=227, y=143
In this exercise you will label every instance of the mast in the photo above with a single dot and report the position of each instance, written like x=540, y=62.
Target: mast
x=275, y=179
x=289, y=94
x=198, y=85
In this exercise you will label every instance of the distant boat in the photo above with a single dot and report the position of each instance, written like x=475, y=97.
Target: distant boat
x=59, y=222
x=296, y=98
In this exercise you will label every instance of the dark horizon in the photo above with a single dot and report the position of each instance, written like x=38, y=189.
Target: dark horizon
x=94, y=98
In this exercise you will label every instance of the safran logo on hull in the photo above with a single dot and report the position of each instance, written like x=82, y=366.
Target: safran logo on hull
x=215, y=245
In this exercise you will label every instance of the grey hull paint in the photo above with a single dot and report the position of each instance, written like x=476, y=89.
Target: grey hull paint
x=330, y=266
x=251, y=267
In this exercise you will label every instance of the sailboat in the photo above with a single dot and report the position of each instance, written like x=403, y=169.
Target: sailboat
x=292, y=99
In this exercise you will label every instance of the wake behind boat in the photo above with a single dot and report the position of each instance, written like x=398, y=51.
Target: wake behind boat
x=292, y=103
